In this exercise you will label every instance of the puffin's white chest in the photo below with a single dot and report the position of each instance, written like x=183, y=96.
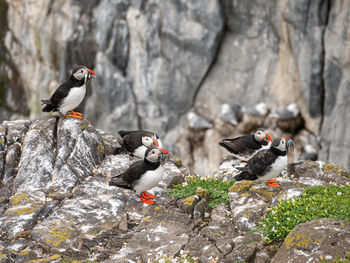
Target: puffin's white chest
x=276, y=168
x=149, y=180
x=140, y=151
x=73, y=99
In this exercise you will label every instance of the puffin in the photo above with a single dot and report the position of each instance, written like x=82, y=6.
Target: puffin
x=143, y=175
x=246, y=146
x=137, y=142
x=70, y=94
x=268, y=163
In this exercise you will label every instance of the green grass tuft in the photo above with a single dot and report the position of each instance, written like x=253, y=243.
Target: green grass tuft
x=316, y=202
x=217, y=189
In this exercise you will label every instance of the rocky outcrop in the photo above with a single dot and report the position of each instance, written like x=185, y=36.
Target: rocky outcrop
x=56, y=204
x=315, y=241
x=156, y=61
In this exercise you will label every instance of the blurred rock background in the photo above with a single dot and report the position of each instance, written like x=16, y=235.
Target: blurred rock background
x=193, y=71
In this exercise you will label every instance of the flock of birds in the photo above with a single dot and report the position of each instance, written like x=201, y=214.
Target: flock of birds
x=265, y=158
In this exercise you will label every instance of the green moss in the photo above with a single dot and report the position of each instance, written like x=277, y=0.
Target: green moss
x=316, y=202
x=332, y=168
x=217, y=189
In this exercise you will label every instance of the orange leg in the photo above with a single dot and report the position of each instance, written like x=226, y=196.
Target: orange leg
x=272, y=183
x=146, y=201
x=147, y=195
x=74, y=114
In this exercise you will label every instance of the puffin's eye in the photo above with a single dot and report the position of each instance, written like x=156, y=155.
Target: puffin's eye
x=81, y=71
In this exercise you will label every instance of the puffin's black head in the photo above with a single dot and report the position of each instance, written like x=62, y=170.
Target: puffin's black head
x=283, y=144
x=82, y=72
x=154, y=154
x=262, y=136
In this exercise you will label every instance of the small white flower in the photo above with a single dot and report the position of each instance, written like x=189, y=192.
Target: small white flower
x=339, y=193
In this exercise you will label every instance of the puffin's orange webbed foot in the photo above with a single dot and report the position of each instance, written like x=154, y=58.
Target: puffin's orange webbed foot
x=147, y=195
x=272, y=183
x=146, y=201
x=74, y=114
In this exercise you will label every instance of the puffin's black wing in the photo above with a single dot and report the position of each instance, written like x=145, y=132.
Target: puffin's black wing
x=144, y=133
x=130, y=176
x=56, y=99
x=243, y=144
x=257, y=166
x=261, y=162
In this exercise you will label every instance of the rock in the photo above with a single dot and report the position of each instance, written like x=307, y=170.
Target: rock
x=56, y=204
x=318, y=173
x=315, y=241
x=160, y=230
x=201, y=209
x=187, y=204
x=245, y=248
x=201, y=248
x=221, y=229
x=84, y=216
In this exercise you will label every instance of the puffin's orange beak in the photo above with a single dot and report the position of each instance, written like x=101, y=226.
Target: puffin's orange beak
x=164, y=151
x=288, y=138
x=91, y=72
x=155, y=142
x=269, y=137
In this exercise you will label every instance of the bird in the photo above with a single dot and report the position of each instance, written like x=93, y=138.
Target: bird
x=288, y=119
x=197, y=122
x=70, y=94
x=229, y=114
x=267, y=163
x=244, y=147
x=137, y=142
x=143, y=175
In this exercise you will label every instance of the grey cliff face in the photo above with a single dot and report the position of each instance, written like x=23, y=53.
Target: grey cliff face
x=156, y=61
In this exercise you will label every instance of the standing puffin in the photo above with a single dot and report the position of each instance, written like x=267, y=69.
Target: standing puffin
x=137, y=142
x=142, y=175
x=246, y=146
x=267, y=163
x=70, y=94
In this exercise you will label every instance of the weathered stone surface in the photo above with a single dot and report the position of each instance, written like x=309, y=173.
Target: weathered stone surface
x=245, y=248
x=314, y=241
x=84, y=216
x=58, y=205
x=221, y=229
